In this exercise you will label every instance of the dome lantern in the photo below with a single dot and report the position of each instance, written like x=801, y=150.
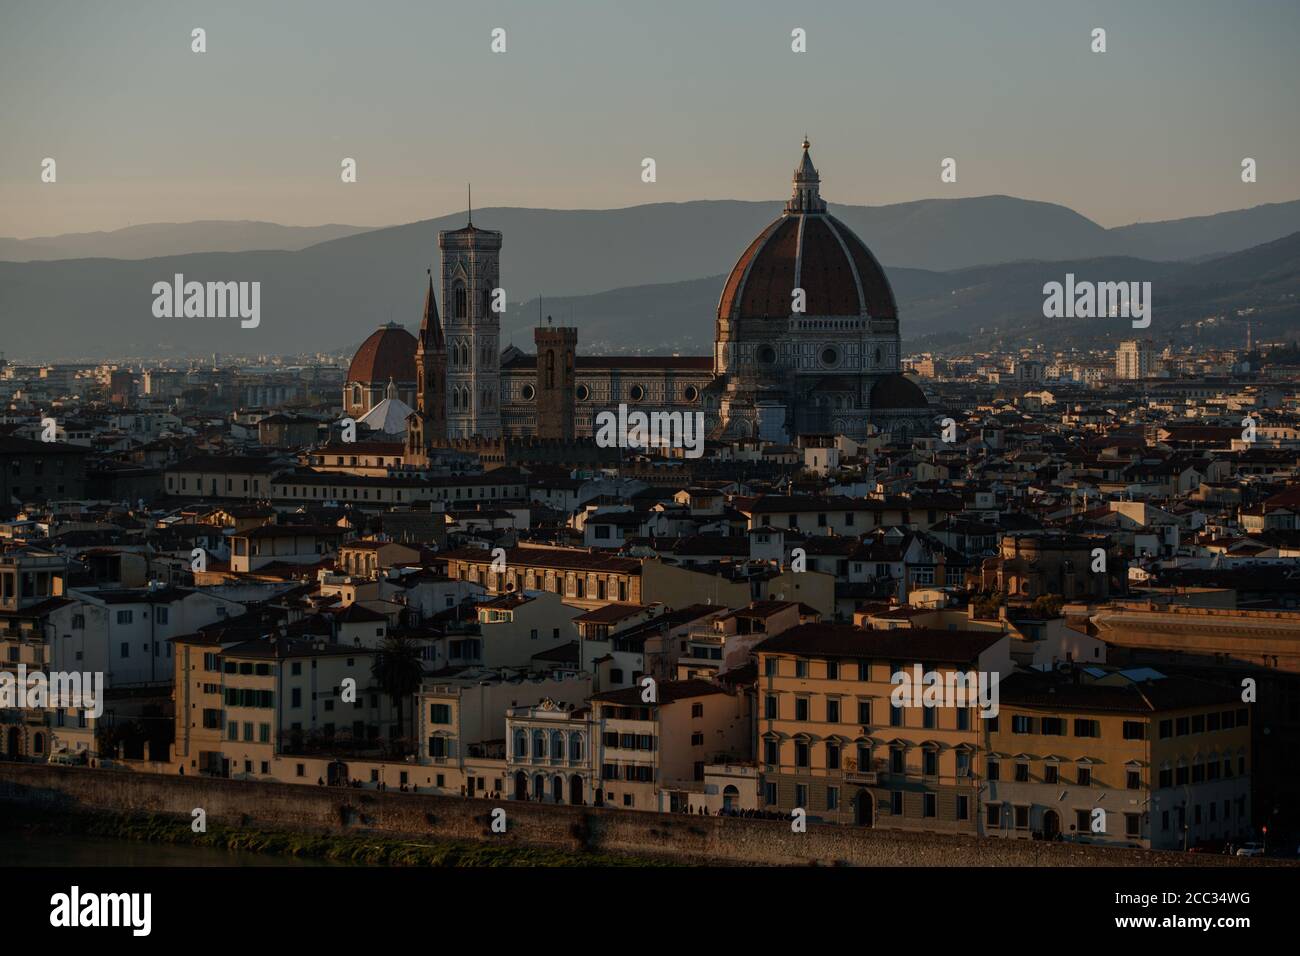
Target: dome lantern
x=806, y=196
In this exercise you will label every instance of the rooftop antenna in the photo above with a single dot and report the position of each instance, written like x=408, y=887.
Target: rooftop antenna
x=469, y=193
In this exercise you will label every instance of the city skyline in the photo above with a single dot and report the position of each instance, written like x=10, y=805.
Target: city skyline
x=842, y=436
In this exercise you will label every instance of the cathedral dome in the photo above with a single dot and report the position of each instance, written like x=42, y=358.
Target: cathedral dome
x=807, y=248
x=389, y=353
x=897, y=391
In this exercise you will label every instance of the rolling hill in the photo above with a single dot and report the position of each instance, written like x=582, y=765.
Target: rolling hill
x=617, y=272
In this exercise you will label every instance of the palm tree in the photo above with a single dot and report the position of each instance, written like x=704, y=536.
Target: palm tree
x=398, y=671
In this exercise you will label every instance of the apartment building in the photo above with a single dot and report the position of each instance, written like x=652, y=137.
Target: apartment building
x=653, y=752
x=1226, y=646
x=514, y=627
x=843, y=515
x=125, y=633
x=726, y=640
x=1118, y=757
x=1135, y=359
x=592, y=579
x=40, y=470
x=31, y=590
x=583, y=578
x=832, y=742
x=221, y=476
x=250, y=551
x=368, y=559
x=261, y=708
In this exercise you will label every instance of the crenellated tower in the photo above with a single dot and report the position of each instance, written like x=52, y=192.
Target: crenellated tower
x=556, y=384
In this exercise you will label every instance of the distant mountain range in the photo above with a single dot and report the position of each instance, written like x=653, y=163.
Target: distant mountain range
x=172, y=238
x=957, y=265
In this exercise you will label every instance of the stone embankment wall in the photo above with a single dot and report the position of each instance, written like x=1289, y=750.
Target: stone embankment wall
x=277, y=806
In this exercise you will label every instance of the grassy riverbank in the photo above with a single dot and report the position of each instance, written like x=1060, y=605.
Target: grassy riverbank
x=357, y=850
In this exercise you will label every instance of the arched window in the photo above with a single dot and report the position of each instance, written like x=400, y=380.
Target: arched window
x=521, y=743
x=575, y=746
x=487, y=300
x=550, y=368
x=462, y=300
x=557, y=745
x=539, y=745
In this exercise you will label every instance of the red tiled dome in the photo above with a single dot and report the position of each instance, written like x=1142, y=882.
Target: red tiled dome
x=837, y=272
x=388, y=353
x=810, y=249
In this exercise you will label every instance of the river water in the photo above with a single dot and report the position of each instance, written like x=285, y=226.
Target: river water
x=27, y=849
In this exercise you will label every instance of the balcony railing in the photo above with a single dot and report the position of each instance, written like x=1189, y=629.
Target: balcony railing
x=528, y=759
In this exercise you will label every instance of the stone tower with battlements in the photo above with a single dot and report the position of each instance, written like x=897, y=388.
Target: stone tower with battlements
x=556, y=355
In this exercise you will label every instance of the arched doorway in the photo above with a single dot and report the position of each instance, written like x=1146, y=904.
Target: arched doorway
x=557, y=789
x=539, y=787
x=38, y=744
x=521, y=785
x=11, y=751
x=336, y=774
x=729, y=795
x=575, y=790
x=1051, y=824
x=864, y=809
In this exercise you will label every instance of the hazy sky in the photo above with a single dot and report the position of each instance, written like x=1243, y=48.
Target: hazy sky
x=143, y=130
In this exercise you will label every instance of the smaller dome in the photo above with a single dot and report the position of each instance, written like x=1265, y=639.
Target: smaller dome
x=389, y=353
x=897, y=391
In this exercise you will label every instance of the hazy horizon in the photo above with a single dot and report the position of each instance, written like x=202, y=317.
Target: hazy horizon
x=144, y=130
x=452, y=212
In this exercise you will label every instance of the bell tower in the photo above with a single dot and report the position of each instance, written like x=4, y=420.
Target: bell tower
x=471, y=261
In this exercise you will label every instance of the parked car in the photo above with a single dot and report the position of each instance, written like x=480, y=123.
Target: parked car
x=1250, y=849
